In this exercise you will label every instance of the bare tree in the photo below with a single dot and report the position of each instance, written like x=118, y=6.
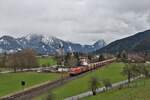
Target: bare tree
x=29, y=58
x=23, y=59
x=14, y=61
x=127, y=70
x=131, y=70
x=94, y=83
x=3, y=60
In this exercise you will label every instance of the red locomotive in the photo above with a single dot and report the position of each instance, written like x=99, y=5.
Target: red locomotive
x=81, y=69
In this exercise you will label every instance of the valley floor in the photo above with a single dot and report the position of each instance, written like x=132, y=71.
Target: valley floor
x=80, y=85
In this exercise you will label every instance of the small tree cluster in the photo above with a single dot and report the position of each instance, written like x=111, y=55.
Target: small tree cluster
x=71, y=59
x=94, y=83
x=101, y=57
x=107, y=83
x=122, y=56
x=132, y=70
x=3, y=59
x=23, y=59
x=144, y=69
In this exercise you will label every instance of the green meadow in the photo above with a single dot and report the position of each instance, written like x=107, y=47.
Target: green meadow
x=74, y=87
x=11, y=82
x=140, y=90
x=46, y=61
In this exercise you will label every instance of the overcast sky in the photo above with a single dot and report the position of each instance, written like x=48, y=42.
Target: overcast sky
x=83, y=21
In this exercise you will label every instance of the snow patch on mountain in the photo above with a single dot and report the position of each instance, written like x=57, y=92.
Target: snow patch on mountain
x=45, y=44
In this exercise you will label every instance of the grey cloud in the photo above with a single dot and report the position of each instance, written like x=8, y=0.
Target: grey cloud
x=82, y=21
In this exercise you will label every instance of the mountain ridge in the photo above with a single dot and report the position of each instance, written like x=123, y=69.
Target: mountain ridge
x=129, y=43
x=44, y=44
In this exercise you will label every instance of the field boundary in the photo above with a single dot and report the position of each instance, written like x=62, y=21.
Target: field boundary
x=102, y=89
x=32, y=92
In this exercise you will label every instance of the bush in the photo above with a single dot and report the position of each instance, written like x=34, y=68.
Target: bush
x=107, y=83
x=94, y=83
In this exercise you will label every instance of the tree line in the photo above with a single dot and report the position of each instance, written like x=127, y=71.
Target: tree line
x=68, y=60
x=19, y=60
x=73, y=59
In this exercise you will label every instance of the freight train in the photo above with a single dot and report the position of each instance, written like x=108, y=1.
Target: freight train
x=81, y=69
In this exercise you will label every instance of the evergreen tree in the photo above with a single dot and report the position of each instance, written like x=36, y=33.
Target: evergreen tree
x=101, y=57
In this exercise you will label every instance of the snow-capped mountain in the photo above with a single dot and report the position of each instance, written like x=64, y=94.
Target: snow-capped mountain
x=45, y=45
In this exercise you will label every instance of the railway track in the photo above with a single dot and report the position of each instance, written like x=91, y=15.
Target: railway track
x=35, y=91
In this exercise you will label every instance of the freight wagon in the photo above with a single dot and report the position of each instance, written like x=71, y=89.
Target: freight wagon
x=81, y=69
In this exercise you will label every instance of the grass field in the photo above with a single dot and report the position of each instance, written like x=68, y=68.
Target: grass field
x=11, y=82
x=42, y=61
x=112, y=72
x=46, y=61
x=140, y=91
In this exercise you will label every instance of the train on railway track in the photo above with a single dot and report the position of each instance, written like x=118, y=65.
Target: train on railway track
x=91, y=66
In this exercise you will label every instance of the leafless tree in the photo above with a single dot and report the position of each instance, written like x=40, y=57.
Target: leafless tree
x=94, y=83
x=23, y=59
